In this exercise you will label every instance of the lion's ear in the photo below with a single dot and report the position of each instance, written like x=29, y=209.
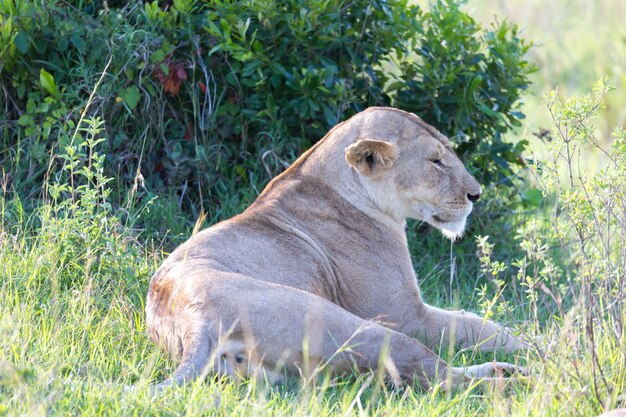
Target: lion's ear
x=371, y=157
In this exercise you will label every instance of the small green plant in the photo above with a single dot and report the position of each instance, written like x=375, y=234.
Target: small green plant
x=588, y=223
x=78, y=217
x=490, y=268
x=589, y=201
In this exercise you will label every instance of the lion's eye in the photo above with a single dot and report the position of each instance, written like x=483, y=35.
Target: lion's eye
x=437, y=162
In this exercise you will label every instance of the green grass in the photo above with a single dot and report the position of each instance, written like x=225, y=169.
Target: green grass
x=73, y=338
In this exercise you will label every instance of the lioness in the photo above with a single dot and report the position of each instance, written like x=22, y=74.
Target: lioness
x=295, y=280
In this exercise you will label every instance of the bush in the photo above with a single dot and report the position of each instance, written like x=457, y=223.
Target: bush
x=193, y=90
x=467, y=81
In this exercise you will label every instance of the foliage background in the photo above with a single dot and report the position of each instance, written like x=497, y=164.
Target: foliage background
x=201, y=99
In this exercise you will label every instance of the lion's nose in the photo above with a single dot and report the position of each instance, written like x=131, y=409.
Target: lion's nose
x=473, y=197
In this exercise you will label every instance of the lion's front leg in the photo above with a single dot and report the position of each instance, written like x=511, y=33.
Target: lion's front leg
x=464, y=329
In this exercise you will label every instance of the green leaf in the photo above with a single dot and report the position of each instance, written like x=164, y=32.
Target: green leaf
x=533, y=197
x=157, y=56
x=78, y=42
x=177, y=151
x=474, y=85
x=487, y=110
x=183, y=6
x=26, y=120
x=22, y=42
x=47, y=83
x=215, y=49
x=131, y=96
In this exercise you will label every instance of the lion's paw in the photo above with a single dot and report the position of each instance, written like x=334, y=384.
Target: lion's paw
x=494, y=369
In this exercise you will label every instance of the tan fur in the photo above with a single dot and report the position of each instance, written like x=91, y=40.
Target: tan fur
x=371, y=157
x=293, y=284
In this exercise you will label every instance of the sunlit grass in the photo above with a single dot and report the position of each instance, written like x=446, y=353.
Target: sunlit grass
x=75, y=351
x=73, y=339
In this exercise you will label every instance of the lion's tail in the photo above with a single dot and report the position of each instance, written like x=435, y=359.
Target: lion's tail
x=196, y=359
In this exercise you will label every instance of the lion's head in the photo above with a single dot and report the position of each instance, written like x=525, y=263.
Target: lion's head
x=409, y=169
